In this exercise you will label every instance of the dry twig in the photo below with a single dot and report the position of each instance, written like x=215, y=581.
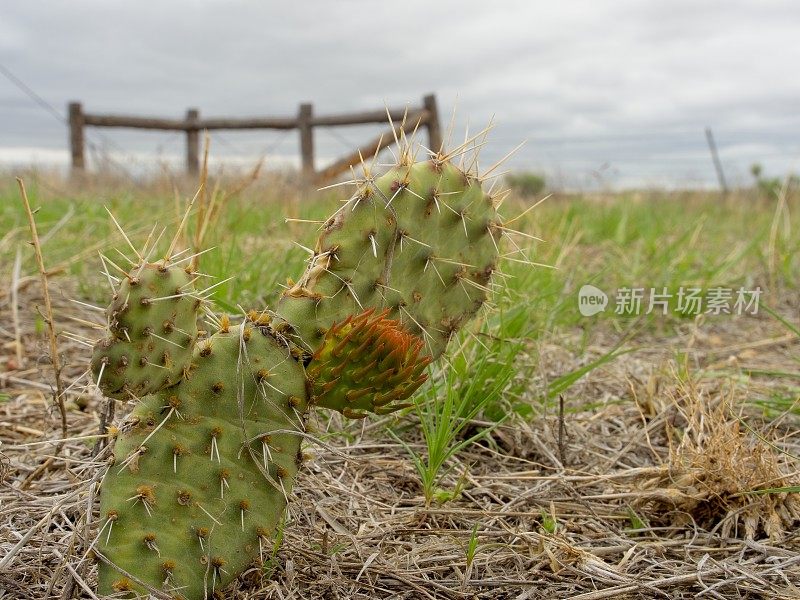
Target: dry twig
x=51, y=330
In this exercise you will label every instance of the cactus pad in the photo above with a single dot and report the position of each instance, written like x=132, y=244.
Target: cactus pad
x=203, y=471
x=152, y=328
x=419, y=240
x=367, y=363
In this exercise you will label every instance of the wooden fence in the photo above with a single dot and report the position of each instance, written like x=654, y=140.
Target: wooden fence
x=426, y=116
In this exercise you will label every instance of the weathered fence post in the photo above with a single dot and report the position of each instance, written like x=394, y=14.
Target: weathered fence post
x=76, y=123
x=304, y=116
x=192, y=141
x=434, y=130
x=712, y=146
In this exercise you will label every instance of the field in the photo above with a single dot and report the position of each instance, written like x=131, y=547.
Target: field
x=553, y=455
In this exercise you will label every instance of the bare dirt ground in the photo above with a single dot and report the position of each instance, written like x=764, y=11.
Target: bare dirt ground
x=638, y=497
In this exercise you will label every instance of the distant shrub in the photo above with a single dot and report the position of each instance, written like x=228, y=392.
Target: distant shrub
x=772, y=186
x=526, y=183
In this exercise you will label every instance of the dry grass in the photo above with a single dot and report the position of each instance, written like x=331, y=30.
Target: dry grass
x=717, y=467
x=642, y=487
x=641, y=499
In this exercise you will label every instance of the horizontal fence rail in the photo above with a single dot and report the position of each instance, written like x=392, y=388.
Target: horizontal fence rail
x=305, y=121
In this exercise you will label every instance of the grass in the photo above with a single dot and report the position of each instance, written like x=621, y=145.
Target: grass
x=690, y=240
x=459, y=394
x=628, y=383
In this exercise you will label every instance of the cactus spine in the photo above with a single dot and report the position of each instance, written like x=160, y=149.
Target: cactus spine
x=205, y=462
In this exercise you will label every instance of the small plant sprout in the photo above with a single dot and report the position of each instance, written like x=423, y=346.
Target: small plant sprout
x=470, y=552
x=445, y=411
x=549, y=521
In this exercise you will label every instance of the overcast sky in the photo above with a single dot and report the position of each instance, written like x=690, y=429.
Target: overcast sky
x=616, y=91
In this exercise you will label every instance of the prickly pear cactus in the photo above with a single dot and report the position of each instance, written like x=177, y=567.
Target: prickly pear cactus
x=420, y=240
x=202, y=476
x=205, y=462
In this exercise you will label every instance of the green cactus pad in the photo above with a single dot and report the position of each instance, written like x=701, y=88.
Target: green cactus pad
x=203, y=470
x=420, y=240
x=367, y=363
x=152, y=328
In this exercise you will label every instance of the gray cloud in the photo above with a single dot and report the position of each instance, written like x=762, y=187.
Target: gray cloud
x=624, y=83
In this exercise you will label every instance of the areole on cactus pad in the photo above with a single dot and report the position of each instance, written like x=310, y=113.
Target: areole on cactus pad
x=204, y=464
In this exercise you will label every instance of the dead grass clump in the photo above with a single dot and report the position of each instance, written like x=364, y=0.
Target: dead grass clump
x=720, y=473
